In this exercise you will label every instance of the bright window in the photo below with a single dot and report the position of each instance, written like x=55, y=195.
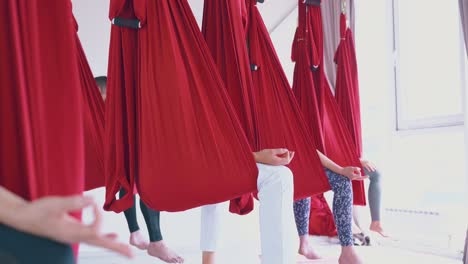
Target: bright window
x=430, y=63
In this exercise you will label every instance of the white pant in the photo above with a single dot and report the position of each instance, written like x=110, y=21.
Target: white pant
x=277, y=227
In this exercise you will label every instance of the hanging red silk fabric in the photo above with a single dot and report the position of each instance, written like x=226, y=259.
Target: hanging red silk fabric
x=347, y=85
x=93, y=119
x=120, y=149
x=41, y=137
x=337, y=141
x=41, y=145
x=280, y=122
x=190, y=147
x=306, y=58
x=224, y=34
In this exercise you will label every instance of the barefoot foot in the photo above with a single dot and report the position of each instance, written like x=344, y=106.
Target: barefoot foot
x=349, y=256
x=137, y=240
x=377, y=227
x=162, y=252
x=309, y=253
x=306, y=250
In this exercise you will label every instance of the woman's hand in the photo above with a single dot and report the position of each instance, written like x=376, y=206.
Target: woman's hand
x=275, y=157
x=369, y=166
x=49, y=217
x=353, y=173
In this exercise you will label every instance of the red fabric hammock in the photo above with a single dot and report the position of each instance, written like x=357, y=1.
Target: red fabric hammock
x=41, y=145
x=314, y=93
x=280, y=121
x=223, y=31
x=321, y=217
x=93, y=118
x=41, y=137
x=190, y=146
x=347, y=85
x=120, y=149
x=338, y=144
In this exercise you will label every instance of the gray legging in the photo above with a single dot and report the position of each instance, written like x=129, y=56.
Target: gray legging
x=375, y=194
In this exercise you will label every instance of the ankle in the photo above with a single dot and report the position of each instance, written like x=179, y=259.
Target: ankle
x=348, y=250
x=208, y=257
x=304, y=240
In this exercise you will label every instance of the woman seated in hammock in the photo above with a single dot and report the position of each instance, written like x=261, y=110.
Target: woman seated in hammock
x=340, y=180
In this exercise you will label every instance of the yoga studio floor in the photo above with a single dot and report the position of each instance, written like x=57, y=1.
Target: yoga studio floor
x=242, y=255
x=240, y=242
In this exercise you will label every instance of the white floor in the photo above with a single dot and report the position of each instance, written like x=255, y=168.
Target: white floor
x=372, y=255
x=240, y=244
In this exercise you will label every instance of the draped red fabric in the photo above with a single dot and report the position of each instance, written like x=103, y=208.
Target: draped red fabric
x=224, y=34
x=338, y=143
x=321, y=217
x=280, y=121
x=320, y=108
x=190, y=147
x=305, y=55
x=41, y=137
x=120, y=146
x=303, y=81
x=347, y=84
x=93, y=118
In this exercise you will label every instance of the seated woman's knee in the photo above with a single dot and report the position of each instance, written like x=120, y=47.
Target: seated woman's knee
x=285, y=176
x=375, y=176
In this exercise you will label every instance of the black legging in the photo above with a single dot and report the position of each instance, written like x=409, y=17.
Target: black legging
x=151, y=218
x=21, y=248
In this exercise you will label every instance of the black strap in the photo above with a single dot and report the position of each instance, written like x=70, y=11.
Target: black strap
x=125, y=22
x=313, y=2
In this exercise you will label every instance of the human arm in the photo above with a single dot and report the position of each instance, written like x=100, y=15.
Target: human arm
x=49, y=217
x=352, y=173
x=275, y=157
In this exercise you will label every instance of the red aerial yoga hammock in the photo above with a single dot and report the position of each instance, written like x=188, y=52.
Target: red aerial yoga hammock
x=171, y=129
x=347, y=85
x=279, y=119
x=41, y=137
x=93, y=118
x=224, y=34
x=337, y=142
x=321, y=217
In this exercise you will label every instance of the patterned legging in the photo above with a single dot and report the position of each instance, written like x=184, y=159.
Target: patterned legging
x=342, y=209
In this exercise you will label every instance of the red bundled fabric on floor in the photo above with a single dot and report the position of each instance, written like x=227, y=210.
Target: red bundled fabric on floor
x=93, y=118
x=189, y=148
x=280, y=122
x=321, y=222
x=347, y=84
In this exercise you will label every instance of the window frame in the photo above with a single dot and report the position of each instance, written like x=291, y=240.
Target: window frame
x=403, y=121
